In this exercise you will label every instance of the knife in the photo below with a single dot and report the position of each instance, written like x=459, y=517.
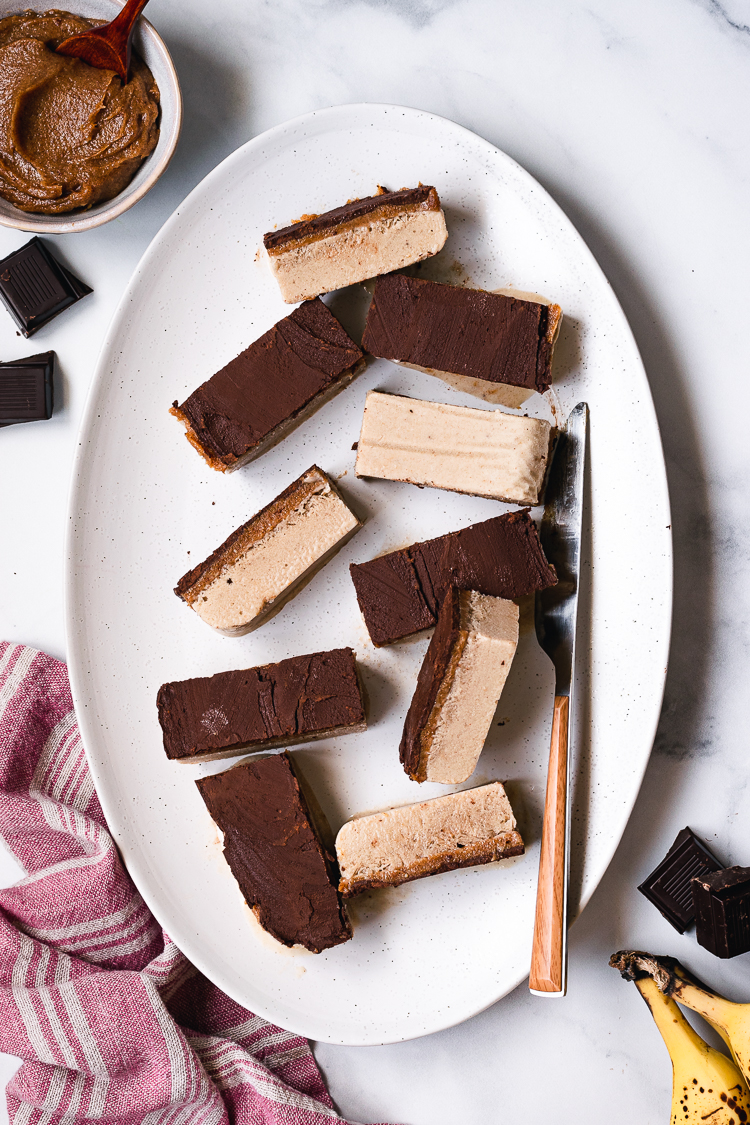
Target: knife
x=555, y=615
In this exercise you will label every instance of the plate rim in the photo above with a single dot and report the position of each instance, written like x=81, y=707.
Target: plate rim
x=75, y=648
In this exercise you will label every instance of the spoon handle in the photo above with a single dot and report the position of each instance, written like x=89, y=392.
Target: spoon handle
x=121, y=27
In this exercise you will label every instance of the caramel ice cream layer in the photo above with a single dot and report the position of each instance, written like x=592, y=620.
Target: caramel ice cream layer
x=457, y=728
x=459, y=830
x=366, y=249
x=481, y=452
x=275, y=553
x=498, y=394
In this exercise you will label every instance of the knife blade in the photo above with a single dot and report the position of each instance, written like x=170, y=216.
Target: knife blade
x=555, y=617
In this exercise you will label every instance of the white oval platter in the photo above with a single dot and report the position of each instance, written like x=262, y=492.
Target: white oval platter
x=145, y=508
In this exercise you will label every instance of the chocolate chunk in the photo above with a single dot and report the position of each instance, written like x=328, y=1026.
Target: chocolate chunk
x=26, y=389
x=35, y=287
x=270, y=388
x=285, y=871
x=467, y=332
x=400, y=594
x=669, y=886
x=722, y=911
x=301, y=699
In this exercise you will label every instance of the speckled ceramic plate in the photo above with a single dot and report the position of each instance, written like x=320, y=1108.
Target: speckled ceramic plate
x=145, y=508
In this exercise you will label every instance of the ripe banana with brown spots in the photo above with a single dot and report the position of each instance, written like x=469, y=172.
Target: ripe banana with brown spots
x=707, y=1087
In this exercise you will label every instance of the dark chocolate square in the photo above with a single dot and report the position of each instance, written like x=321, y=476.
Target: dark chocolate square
x=722, y=911
x=35, y=287
x=669, y=886
x=26, y=389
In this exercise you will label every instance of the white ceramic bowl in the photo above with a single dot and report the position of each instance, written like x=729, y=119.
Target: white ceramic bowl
x=151, y=48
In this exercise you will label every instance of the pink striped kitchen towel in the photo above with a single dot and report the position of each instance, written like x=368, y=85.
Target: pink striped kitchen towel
x=113, y=1022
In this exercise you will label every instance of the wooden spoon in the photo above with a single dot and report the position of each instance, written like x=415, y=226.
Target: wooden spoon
x=107, y=47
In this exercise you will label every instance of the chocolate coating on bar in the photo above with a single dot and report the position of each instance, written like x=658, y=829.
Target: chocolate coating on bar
x=422, y=198
x=35, y=287
x=722, y=911
x=286, y=874
x=431, y=676
x=26, y=389
x=274, y=380
x=400, y=594
x=295, y=700
x=468, y=332
x=669, y=886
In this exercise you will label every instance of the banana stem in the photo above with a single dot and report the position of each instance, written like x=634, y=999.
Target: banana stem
x=673, y=980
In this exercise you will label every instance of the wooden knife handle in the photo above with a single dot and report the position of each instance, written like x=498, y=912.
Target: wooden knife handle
x=548, y=969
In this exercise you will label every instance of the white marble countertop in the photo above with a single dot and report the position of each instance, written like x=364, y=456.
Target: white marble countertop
x=634, y=117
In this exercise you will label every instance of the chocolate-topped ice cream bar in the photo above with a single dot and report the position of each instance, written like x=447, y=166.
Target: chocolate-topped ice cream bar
x=459, y=685
x=480, y=452
x=267, y=561
x=275, y=384
x=279, y=857
x=400, y=594
x=492, y=345
x=364, y=238
x=392, y=847
x=302, y=699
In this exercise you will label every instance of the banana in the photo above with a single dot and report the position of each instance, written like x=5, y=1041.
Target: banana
x=706, y=1085
x=730, y=1020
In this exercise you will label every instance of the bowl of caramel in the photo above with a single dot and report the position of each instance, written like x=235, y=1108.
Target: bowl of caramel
x=78, y=147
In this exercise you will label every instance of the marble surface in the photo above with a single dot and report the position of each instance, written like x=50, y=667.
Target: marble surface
x=634, y=118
